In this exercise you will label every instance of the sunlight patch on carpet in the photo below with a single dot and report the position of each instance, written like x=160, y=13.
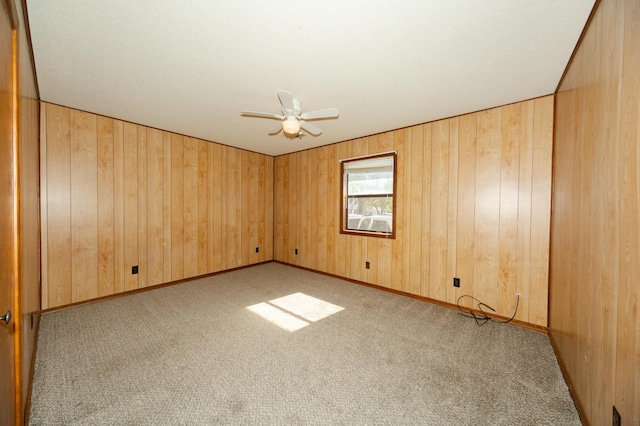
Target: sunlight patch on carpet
x=294, y=311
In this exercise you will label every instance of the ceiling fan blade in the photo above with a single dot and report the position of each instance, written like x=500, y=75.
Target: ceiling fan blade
x=321, y=113
x=286, y=99
x=262, y=115
x=276, y=130
x=310, y=128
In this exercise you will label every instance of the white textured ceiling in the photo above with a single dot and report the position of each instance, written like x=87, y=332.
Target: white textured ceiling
x=191, y=66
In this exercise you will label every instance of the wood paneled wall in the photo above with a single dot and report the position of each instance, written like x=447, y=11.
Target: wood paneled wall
x=116, y=195
x=29, y=236
x=473, y=201
x=595, y=264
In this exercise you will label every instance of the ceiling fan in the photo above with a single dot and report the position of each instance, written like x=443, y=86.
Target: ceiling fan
x=292, y=117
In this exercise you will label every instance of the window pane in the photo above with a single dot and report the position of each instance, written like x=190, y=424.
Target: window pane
x=370, y=183
x=368, y=186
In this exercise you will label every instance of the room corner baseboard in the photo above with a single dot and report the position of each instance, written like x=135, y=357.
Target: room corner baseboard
x=567, y=379
x=141, y=290
x=421, y=298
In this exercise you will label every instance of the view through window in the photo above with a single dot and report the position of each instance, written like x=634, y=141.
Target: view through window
x=368, y=187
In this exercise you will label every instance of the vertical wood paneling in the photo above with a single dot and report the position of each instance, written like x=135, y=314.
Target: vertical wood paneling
x=117, y=195
x=251, y=170
x=118, y=205
x=131, y=218
x=404, y=214
x=190, y=204
x=268, y=208
x=155, y=207
x=30, y=247
x=439, y=210
x=595, y=226
x=312, y=209
x=524, y=205
x=333, y=210
x=541, y=208
x=218, y=209
x=294, y=201
x=106, y=218
x=627, y=374
x=508, y=228
x=84, y=206
x=594, y=292
x=322, y=209
x=167, y=221
x=240, y=230
x=203, y=208
x=261, y=193
x=452, y=211
x=465, y=243
x=279, y=213
x=212, y=231
x=487, y=237
x=177, y=207
x=231, y=237
x=58, y=239
x=143, y=266
x=244, y=238
x=44, y=218
x=416, y=214
x=460, y=209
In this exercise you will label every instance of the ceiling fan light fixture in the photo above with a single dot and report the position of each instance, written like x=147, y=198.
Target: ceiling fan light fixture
x=291, y=125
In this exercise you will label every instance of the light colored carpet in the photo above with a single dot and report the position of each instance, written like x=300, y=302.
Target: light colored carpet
x=193, y=354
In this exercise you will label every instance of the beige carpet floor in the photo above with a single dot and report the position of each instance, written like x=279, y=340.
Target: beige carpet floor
x=276, y=345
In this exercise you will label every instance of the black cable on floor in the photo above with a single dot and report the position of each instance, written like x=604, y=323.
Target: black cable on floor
x=480, y=316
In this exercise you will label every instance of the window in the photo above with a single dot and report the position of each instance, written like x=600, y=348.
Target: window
x=368, y=204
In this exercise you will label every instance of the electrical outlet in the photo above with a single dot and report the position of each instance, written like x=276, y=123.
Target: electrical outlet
x=367, y=265
x=134, y=270
x=456, y=282
x=257, y=249
x=617, y=421
x=296, y=251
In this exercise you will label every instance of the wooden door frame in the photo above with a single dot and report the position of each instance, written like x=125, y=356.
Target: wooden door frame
x=15, y=213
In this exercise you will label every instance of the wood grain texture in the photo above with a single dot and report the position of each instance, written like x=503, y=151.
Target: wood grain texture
x=177, y=207
x=44, y=216
x=594, y=272
x=190, y=203
x=84, y=206
x=508, y=227
x=106, y=218
x=118, y=206
x=166, y=206
x=174, y=206
x=155, y=207
x=58, y=237
x=29, y=185
x=437, y=226
x=457, y=204
x=215, y=182
x=143, y=234
x=487, y=207
x=465, y=244
x=204, y=266
x=131, y=207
